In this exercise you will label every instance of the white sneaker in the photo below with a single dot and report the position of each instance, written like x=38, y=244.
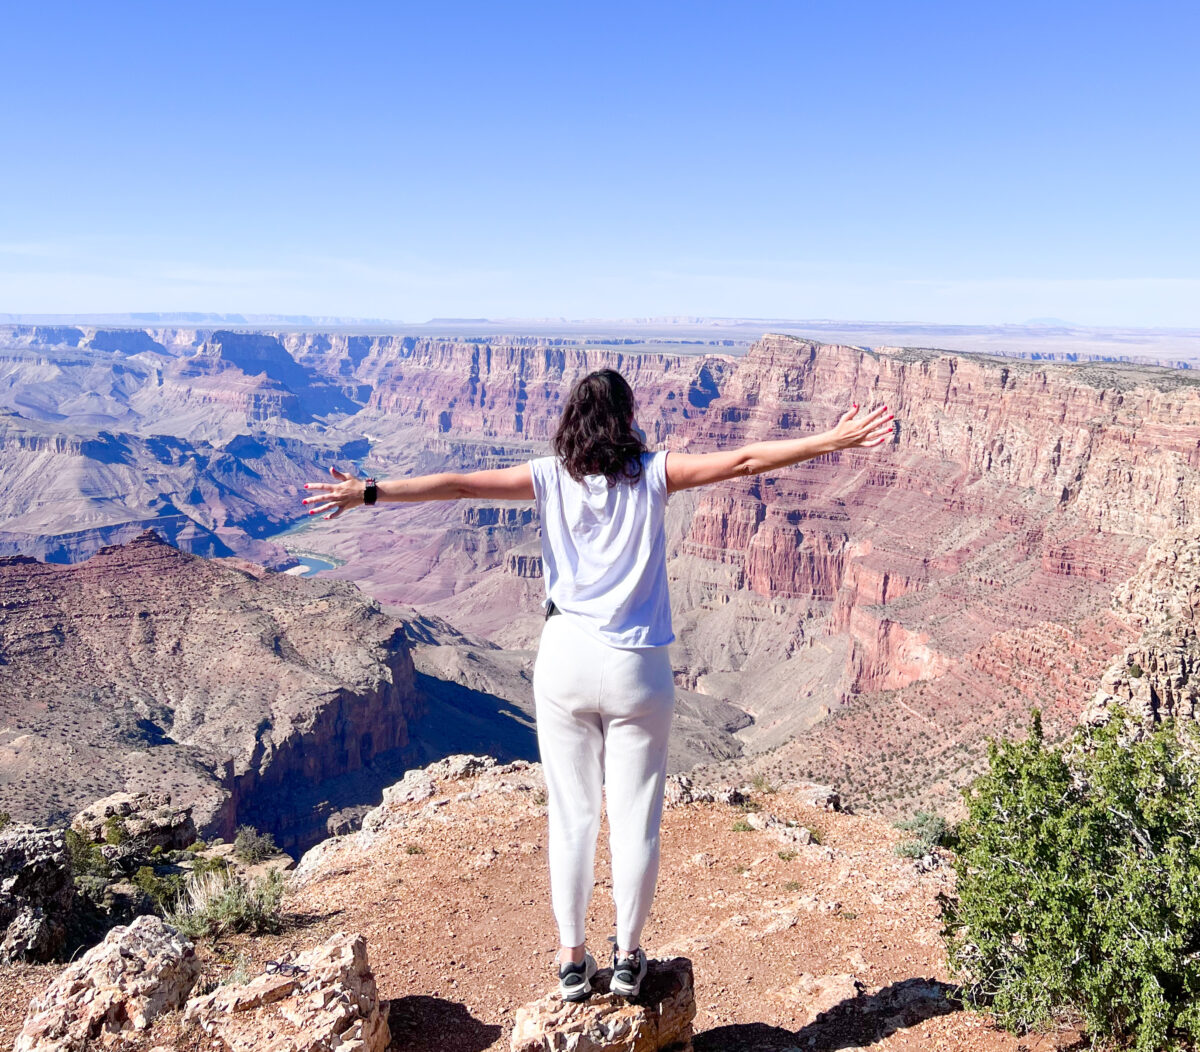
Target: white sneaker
x=628, y=972
x=575, y=980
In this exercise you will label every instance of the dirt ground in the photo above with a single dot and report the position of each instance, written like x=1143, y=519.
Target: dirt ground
x=453, y=898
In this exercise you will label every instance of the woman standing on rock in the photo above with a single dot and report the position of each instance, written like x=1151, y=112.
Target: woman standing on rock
x=604, y=689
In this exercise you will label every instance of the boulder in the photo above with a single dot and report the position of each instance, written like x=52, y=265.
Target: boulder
x=37, y=893
x=659, y=1019
x=121, y=985
x=148, y=819
x=332, y=1005
x=680, y=790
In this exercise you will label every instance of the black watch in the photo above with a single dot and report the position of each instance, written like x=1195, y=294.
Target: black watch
x=370, y=492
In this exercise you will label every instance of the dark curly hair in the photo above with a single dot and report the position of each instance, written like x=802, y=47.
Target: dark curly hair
x=595, y=435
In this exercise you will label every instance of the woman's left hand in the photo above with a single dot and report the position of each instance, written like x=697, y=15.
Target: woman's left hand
x=337, y=497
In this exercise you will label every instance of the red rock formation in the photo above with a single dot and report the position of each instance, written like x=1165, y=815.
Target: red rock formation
x=1014, y=495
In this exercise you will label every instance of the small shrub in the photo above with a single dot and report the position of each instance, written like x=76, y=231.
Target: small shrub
x=1135, y=670
x=742, y=826
x=5, y=819
x=1078, y=884
x=241, y=972
x=86, y=858
x=787, y=856
x=911, y=849
x=750, y=805
x=252, y=846
x=163, y=890
x=792, y=885
x=415, y=849
x=92, y=888
x=218, y=903
x=115, y=830
x=202, y=864
x=930, y=830
x=763, y=784
x=540, y=799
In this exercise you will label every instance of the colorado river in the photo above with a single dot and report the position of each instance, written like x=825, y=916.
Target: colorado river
x=310, y=563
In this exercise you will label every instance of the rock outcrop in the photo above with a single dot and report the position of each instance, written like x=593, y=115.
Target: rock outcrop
x=149, y=819
x=246, y=697
x=119, y=986
x=451, y=891
x=37, y=893
x=330, y=1003
x=418, y=787
x=1157, y=675
x=659, y=1020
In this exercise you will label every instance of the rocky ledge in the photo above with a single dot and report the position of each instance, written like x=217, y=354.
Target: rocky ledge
x=816, y=939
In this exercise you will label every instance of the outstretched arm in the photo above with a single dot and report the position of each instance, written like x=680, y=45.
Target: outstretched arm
x=685, y=470
x=515, y=483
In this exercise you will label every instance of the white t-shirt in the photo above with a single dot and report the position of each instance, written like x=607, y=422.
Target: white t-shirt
x=604, y=551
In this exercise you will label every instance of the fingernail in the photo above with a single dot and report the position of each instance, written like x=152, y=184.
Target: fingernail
x=312, y=511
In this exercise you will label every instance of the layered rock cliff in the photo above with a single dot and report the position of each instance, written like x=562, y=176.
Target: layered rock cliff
x=66, y=494
x=258, y=698
x=972, y=557
x=1013, y=497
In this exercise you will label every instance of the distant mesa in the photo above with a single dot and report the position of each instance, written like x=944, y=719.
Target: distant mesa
x=1050, y=323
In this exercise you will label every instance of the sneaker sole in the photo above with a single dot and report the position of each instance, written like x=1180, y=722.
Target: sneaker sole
x=576, y=994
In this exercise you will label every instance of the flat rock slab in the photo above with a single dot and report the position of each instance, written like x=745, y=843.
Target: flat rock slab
x=659, y=1020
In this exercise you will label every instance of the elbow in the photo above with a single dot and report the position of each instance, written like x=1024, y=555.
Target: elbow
x=747, y=464
x=452, y=487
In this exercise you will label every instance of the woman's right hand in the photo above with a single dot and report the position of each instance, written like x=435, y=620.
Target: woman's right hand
x=870, y=430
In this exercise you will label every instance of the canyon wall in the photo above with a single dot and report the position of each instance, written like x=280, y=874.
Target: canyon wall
x=255, y=697
x=942, y=583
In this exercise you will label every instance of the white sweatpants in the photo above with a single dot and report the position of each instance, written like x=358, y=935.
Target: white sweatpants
x=603, y=716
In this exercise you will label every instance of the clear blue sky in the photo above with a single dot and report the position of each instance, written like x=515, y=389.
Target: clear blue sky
x=943, y=162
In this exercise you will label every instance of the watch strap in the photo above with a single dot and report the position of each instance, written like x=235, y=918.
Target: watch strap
x=370, y=492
